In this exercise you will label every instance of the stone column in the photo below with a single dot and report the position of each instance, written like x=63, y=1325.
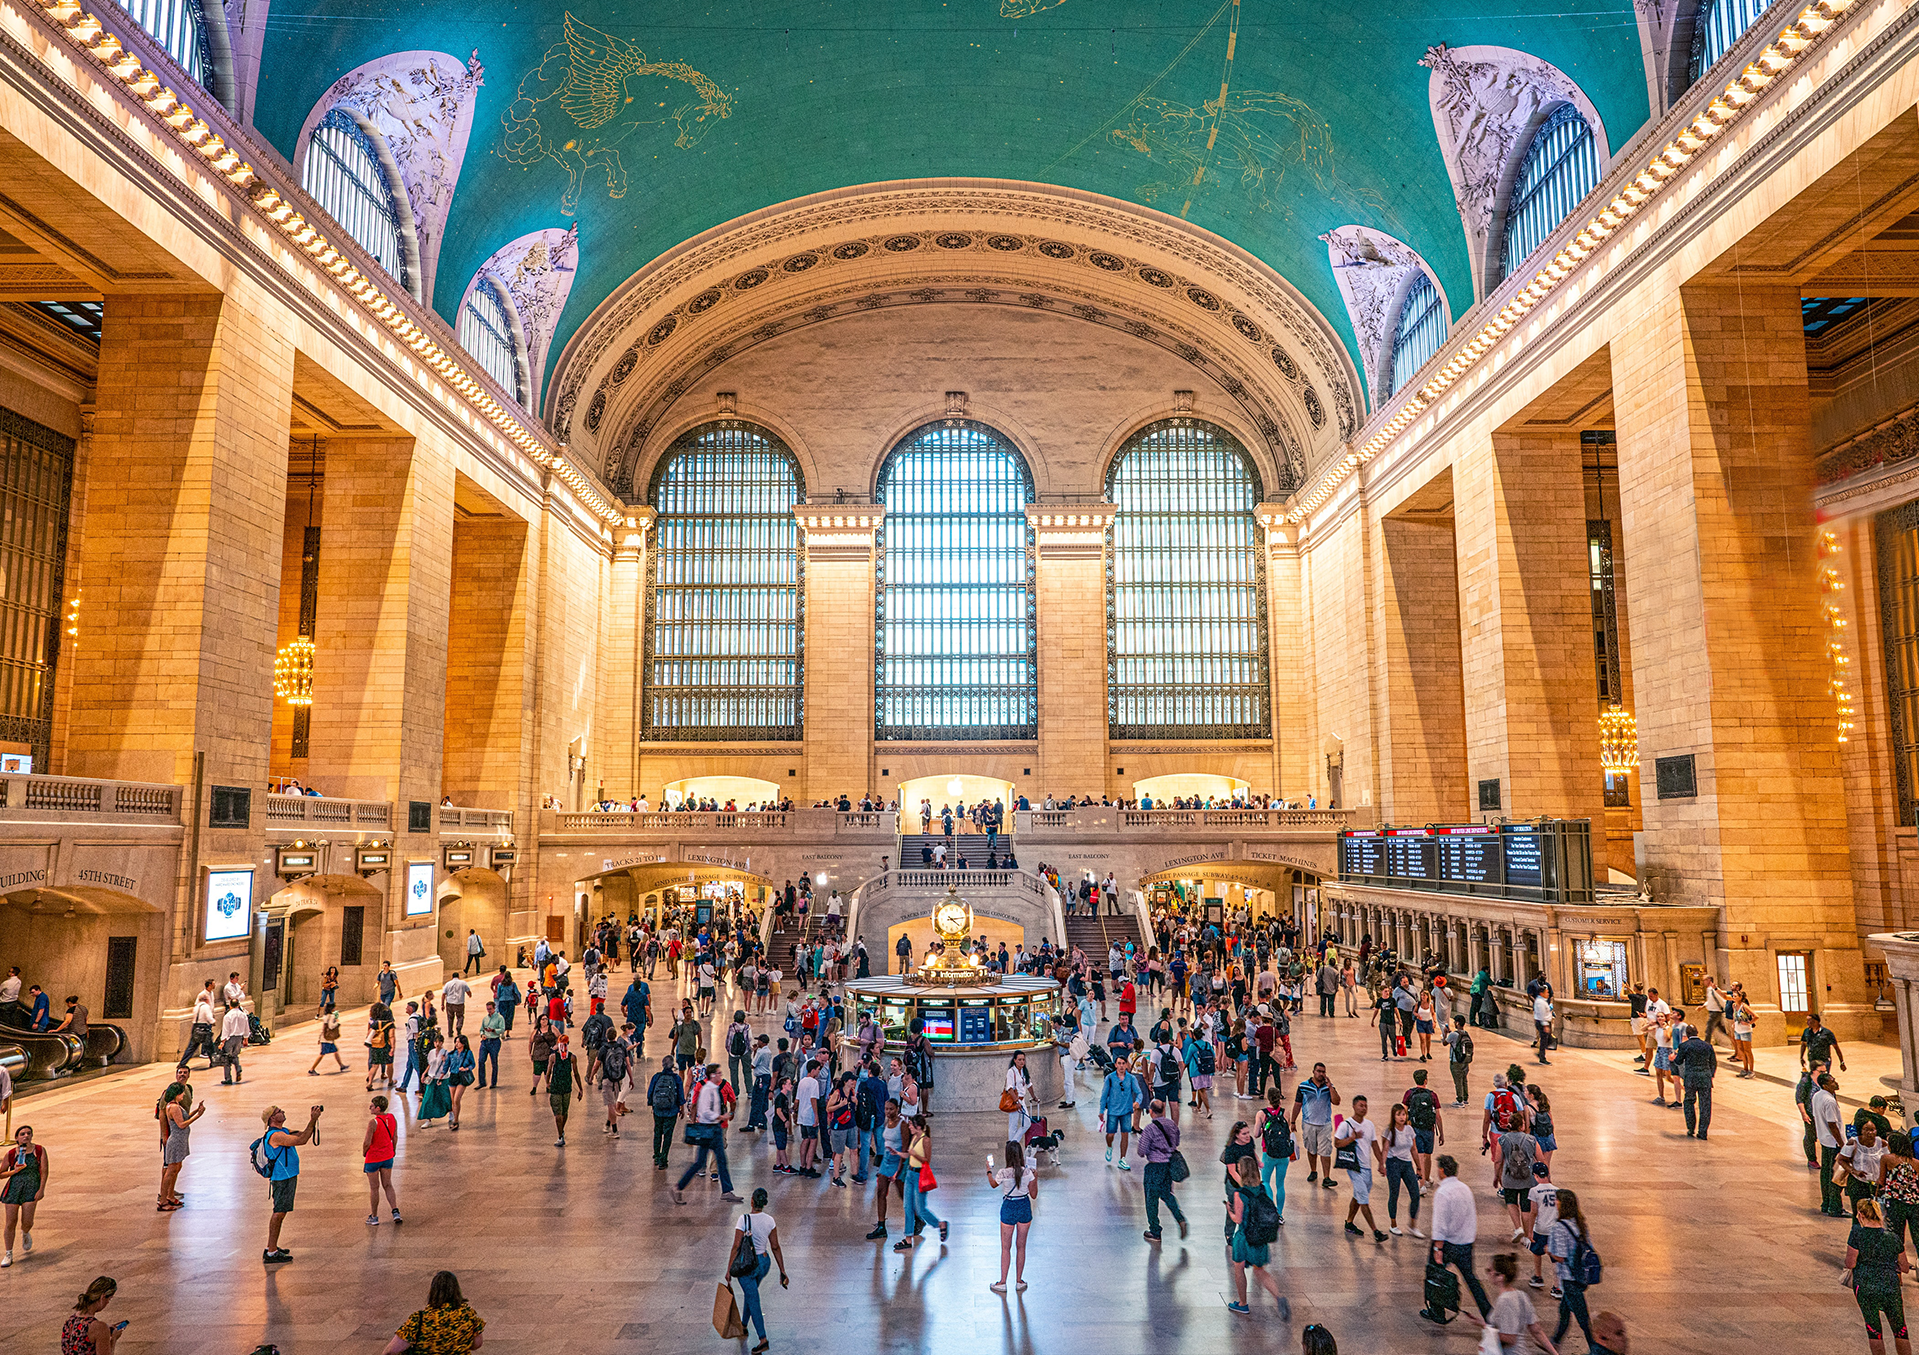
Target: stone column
x=622, y=655
x=1716, y=482
x=1531, y=689
x=838, y=541
x=1070, y=589
x=1289, y=650
x=486, y=686
x=1422, y=733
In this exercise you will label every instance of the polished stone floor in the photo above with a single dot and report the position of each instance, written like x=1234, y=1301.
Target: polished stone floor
x=1714, y=1247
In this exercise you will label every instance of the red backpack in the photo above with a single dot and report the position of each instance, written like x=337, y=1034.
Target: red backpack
x=1506, y=1115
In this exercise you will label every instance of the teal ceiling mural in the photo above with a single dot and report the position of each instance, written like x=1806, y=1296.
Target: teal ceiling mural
x=646, y=123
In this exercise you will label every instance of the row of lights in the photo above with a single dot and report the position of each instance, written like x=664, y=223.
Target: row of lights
x=192, y=131
x=1778, y=57
x=1832, y=585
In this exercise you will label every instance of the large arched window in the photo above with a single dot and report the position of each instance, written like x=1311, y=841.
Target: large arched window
x=488, y=333
x=724, y=642
x=957, y=646
x=180, y=27
x=1561, y=166
x=1422, y=329
x=1186, y=593
x=1718, y=25
x=343, y=173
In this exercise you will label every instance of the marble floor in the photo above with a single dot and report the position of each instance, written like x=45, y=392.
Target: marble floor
x=1714, y=1247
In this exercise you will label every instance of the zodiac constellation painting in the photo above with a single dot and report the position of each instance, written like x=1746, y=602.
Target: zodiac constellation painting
x=1019, y=9
x=589, y=94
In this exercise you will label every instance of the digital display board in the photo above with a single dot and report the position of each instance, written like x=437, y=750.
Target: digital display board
x=419, y=888
x=937, y=1023
x=1549, y=860
x=229, y=904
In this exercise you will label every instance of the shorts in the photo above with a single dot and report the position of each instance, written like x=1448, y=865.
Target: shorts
x=1517, y=1198
x=561, y=1104
x=1362, y=1184
x=1548, y=1144
x=328, y=1047
x=1120, y=1124
x=283, y=1194
x=1015, y=1209
x=839, y=1140
x=1639, y=1025
x=809, y=1131
x=779, y=1138
x=539, y=1067
x=610, y=1093
x=1538, y=1244
x=1316, y=1140
x=1422, y=1140
x=1423, y=1027
x=1662, y=1060
x=373, y=1167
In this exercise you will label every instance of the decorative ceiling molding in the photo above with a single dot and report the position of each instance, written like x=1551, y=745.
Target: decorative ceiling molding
x=1112, y=249
x=1487, y=102
x=1375, y=271
x=422, y=104
x=246, y=29
x=536, y=271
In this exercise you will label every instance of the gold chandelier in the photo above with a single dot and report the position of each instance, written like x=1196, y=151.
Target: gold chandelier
x=293, y=672
x=1618, y=740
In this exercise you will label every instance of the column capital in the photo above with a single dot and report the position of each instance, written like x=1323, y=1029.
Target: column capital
x=839, y=531
x=629, y=538
x=1279, y=532
x=1070, y=532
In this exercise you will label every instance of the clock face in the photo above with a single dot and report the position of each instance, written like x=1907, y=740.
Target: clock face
x=950, y=918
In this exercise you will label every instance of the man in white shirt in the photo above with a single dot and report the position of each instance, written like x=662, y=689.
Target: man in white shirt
x=1362, y=1136
x=453, y=999
x=1715, y=1011
x=10, y=986
x=1455, y=1225
x=1543, y=1023
x=809, y=1092
x=201, y=1035
x=709, y=1124
x=233, y=1038
x=235, y=991
x=1825, y=1124
x=475, y=952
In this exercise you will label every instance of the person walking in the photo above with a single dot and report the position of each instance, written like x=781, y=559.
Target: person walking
x=707, y=1132
x=919, y=1181
x=1018, y=1185
x=1312, y=1121
x=456, y=1072
x=1455, y=1223
x=1459, y=1058
x=1400, y=1143
x=1567, y=1243
x=1543, y=1022
x=563, y=1079
x=475, y=953
x=492, y=1033
x=892, y=1163
x=281, y=1149
x=664, y=1097
x=1356, y=1150
x=1743, y=1021
x=1696, y=1062
x=1278, y=1149
x=379, y=1149
x=1824, y=1109
x=86, y=1331
x=1512, y=1315
x=379, y=1045
x=453, y=998
x=173, y=1154
x=1253, y=1218
x=446, y=1326
x=329, y=1043
x=1899, y=1187
x=233, y=1038
x=1158, y=1145
x=756, y=1247
x=1875, y=1260
x=1119, y=1096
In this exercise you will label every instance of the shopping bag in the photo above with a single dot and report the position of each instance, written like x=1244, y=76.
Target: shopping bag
x=726, y=1314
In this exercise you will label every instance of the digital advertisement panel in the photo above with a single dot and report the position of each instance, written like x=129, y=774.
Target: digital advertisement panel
x=229, y=904
x=419, y=888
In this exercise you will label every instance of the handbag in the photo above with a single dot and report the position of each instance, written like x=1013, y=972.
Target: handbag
x=1346, y=1157
x=1176, y=1166
x=726, y=1314
x=927, y=1182
x=746, y=1258
x=1009, y=1100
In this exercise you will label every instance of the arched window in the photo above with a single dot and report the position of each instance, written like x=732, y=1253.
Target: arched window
x=343, y=174
x=957, y=645
x=488, y=333
x=1186, y=588
x=1560, y=168
x=1422, y=329
x=724, y=642
x=1717, y=26
x=180, y=27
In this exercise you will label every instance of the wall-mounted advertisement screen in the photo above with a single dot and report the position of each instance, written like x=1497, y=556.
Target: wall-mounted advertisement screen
x=419, y=888
x=229, y=904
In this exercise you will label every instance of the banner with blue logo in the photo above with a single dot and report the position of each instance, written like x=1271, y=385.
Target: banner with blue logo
x=229, y=904
x=419, y=888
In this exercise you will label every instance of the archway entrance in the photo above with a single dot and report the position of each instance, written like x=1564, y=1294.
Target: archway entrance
x=317, y=922
x=473, y=900
x=1184, y=785
x=741, y=790
x=954, y=789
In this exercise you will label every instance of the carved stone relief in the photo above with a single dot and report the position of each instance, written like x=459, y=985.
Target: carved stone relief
x=537, y=272
x=1374, y=271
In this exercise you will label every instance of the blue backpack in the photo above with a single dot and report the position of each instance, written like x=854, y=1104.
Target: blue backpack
x=1584, y=1262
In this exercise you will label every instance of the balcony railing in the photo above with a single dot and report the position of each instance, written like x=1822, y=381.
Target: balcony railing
x=325, y=811
x=27, y=799
x=457, y=816
x=1106, y=818
x=792, y=823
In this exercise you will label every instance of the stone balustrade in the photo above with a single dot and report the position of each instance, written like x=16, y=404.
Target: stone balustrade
x=319, y=811
x=458, y=818
x=55, y=799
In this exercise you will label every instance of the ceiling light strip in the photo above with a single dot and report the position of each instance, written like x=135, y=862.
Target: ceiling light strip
x=1778, y=58
x=91, y=36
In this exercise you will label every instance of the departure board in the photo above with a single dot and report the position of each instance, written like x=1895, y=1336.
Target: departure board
x=1547, y=860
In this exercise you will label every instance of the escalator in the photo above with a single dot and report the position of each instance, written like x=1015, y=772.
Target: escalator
x=51, y=1054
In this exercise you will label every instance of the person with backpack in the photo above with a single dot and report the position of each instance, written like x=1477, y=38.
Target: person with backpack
x=595, y=1032
x=1278, y=1149
x=1200, y=1063
x=1255, y=1221
x=756, y=1246
x=1517, y=1152
x=276, y=1156
x=1422, y=1116
x=614, y=1066
x=1459, y=1058
x=1504, y=1110
x=1119, y=1096
x=739, y=1054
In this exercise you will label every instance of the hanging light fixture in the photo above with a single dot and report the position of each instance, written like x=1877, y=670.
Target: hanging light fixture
x=293, y=672
x=1618, y=740
x=293, y=665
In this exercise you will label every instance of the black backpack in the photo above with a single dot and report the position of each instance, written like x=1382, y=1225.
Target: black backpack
x=1422, y=1109
x=613, y=1062
x=736, y=1044
x=1205, y=1060
x=1259, y=1217
x=1276, y=1137
x=664, y=1094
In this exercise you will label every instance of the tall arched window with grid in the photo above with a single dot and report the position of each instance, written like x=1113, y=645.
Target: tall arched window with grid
x=956, y=641
x=1186, y=588
x=1717, y=26
x=1421, y=330
x=488, y=333
x=1560, y=167
x=343, y=173
x=180, y=27
x=725, y=638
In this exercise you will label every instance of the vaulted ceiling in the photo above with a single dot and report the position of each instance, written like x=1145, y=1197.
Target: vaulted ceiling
x=645, y=124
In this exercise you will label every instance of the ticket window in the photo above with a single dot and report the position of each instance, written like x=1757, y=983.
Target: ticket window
x=1602, y=971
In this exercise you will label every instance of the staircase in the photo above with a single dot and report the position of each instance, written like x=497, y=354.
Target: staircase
x=1095, y=935
x=970, y=845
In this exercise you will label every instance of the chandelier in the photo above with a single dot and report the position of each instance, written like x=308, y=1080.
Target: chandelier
x=1618, y=740
x=293, y=672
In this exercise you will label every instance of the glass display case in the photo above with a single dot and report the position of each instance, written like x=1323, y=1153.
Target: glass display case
x=1017, y=1012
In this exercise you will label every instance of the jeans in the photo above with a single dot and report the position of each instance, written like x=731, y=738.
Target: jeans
x=1572, y=1304
x=740, y=1066
x=917, y=1214
x=750, y=1291
x=233, y=1045
x=1459, y=1080
x=718, y=1149
x=506, y=1014
x=1703, y=1097
x=1159, y=1186
x=1399, y=1172
x=1386, y=1033
x=1459, y=1255
x=1272, y=1174
x=756, y=1117
x=1325, y=1004
x=663, y=1137
x=1830, y=1198
x=489, y=1052
x=412, y=1067
x=473, y=965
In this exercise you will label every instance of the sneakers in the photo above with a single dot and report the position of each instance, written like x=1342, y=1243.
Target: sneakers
x=1109, y=1152
x=1395, y=1231
x=396, y=1217
x=1311, y=1177
x=1124, y=1165
x=6, y=1260
x=997, y=1286
x=1536, y=1282
x=1330, y=1184
x=1416, y=1233
x=273, y=1257
x=735, y=1199
x=878, y=1234
x=1234, y=1306
x=1378, y=1236
x=373, y=1220
x=1150, y=1236
x=26, y=1242
x=1355, y=1229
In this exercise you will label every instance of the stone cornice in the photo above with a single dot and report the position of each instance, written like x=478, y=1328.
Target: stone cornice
x=1077, y=533
x=839, y=531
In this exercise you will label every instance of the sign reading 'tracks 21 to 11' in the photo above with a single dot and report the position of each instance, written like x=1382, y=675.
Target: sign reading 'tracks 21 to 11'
x=1544, y=860
x=419, y=888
